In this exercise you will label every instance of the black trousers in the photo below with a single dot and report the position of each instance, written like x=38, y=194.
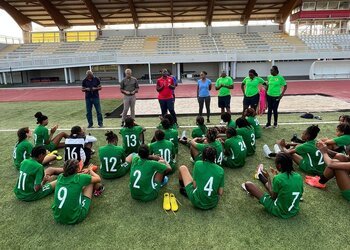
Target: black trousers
x=272, y=107
x=201, y=101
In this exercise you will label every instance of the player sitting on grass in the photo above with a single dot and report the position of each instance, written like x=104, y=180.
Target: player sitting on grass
x=201, y=130
x=78, y=148
x=250, y=115
x=42, y=136
x=342, y=140
x=339, y=167
x=24, y=147
x=114, y=163
x=247, y=132
x=164, y=149
x=33, y=181
x=199, y=144
x=147, y=175
x=133, y=136
x=74, y=192
x=285, y=191
x=207, y=183
x=235, y=150
x=171, y=134
x=227, y=118
x=306, y=155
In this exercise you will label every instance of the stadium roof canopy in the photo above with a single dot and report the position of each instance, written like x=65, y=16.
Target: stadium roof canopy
x=68, y=13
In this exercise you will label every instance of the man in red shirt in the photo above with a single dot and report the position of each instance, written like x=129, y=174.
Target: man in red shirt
x=165, y=87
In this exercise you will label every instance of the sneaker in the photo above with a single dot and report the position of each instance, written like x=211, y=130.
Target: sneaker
x=267, y=126
x=183, y=191
x=314, y=182
x=166, y=202
x=98, y=192
x=294, y=138
x=173, y=203
x=267, y=151
x=244, y=188
x=222, y=122
x=54, y=152
x=277, y=148
x=259, y=170
x=165, y=181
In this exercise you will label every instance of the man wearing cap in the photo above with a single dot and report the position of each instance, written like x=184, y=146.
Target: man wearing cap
x=129, y=87
x=91, y=86
x=224, y=85
x=165, y=87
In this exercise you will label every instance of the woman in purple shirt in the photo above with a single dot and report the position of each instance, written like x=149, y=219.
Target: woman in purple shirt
x=203, y=94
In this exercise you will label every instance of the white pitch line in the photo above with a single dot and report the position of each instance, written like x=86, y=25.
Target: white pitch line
x=188, y=126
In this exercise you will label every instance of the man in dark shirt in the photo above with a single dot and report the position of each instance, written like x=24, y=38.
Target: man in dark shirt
x=91, y=86
x=129, y=87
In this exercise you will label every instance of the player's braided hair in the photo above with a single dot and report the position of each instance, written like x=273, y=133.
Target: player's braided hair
x=37, y=151
x=22, y=134
x=159, y=135
x=70, y=167
x=312, y=131
x=285, y=161
x=209, y=154
x=111, y=137
x=230, y=132
x=212, y=133
x=226, y=117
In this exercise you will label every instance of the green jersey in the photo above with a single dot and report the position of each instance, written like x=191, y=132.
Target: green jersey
x=41, y=135
x=142, y=184
x=274, y=84
x=67, y=206
x=31, y=174
x=166, y=150
x=112, y=160
x=231, y=124
x=248, y=135
x=312, y=162
x=343, y=140
x=256, y=125
x=235, y=152
x=172, y=135
x=219, y=150
x=252, y=85
x=21, y=152
x=289, y=190
x=200, y=132
x=209, y=177
x=131, y=139
x=226, y=82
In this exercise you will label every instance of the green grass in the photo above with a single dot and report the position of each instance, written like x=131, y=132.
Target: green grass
x=117, y=221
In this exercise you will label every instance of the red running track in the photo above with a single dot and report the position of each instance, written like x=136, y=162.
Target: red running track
x=336, y=88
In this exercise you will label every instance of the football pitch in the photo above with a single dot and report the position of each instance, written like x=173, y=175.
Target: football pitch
x=117, y=221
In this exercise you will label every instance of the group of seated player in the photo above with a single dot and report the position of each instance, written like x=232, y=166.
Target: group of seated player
x=151, y=165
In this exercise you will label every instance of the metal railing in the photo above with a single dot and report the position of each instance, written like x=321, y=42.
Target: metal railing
x=10, y=40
